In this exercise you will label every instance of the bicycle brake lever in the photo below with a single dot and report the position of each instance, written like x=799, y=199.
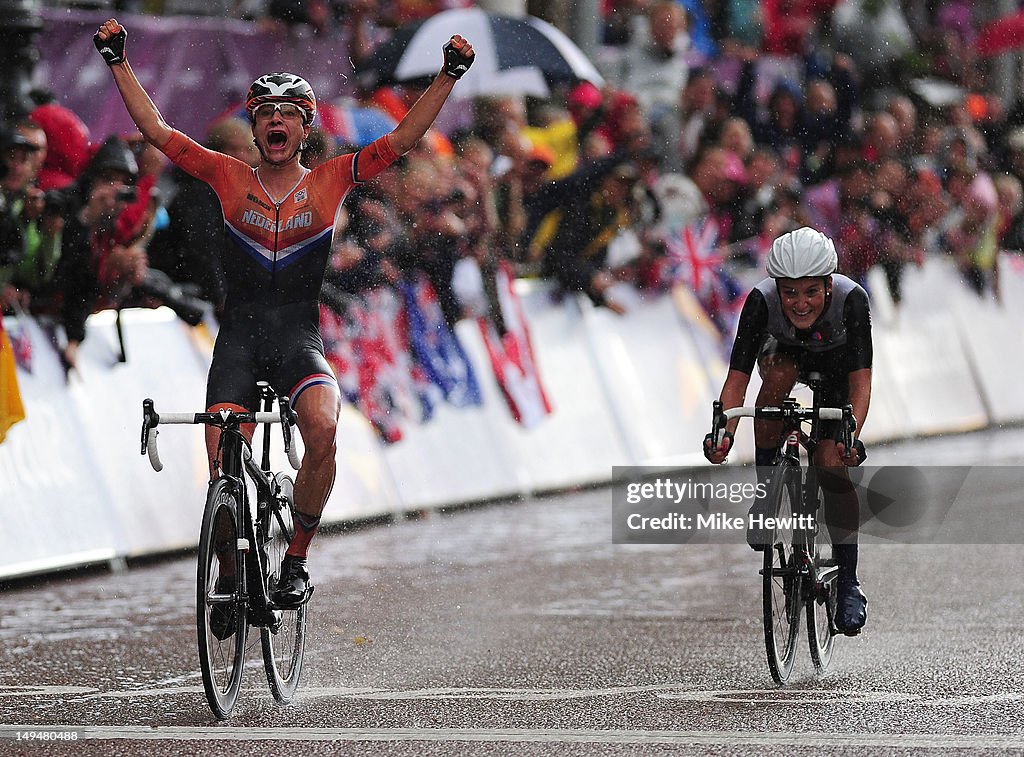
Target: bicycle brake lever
x=718, y=423
x=289, y=419
x=849, y=426
x=150, y=420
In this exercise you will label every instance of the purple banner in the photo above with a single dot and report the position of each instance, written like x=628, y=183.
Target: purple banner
x=193, y=68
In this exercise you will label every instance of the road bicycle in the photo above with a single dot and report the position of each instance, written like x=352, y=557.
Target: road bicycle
x=796, y=573
x=240, y=552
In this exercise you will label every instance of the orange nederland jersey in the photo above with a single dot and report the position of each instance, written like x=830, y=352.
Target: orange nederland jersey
x=277, y=252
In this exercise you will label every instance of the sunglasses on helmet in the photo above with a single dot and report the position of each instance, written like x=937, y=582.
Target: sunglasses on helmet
x=288, y=111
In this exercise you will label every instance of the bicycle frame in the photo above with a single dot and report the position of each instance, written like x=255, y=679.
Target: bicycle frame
x=235, y=460
x=235, y=456
x=817, y=574
x=810, y=500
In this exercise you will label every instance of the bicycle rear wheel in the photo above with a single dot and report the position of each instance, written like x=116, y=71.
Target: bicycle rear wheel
x=282, y=648
x=821, y=601
x=781, y=577
x=221, y=620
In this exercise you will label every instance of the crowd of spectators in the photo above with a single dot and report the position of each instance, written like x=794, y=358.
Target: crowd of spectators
x=772, y=122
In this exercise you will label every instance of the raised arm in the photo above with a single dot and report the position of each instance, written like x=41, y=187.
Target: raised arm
x=458, y=57
x=110, y=41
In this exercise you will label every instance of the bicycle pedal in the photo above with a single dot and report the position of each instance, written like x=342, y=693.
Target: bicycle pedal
x=278, y=620
x=263, y=618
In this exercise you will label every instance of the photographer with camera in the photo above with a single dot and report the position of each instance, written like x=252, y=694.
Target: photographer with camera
x=31, y=226
x=97, y=264
x=111, y=218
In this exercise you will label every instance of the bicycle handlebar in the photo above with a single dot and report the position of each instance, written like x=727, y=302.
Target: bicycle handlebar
x=779, y=413
x=224, y=418
x=790, y=410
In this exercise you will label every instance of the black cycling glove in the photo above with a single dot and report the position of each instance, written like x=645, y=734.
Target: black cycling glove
x=862, y=453
x=455, y=63
x=711, y=438
x=112, y=49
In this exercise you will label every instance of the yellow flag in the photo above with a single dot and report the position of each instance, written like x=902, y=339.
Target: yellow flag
x=11, y=409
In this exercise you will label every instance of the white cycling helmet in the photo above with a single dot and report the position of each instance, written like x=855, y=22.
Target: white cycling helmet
x=800, y=254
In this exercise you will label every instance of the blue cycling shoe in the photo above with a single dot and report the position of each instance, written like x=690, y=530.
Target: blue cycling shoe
x=851, y=608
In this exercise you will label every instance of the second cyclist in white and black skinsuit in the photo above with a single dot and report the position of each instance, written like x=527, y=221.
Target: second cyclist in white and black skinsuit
x=807, y=318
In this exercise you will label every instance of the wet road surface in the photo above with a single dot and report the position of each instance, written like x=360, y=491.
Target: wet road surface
x=521, y=629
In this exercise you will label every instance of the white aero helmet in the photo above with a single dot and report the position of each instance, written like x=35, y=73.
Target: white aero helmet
x=800, y=254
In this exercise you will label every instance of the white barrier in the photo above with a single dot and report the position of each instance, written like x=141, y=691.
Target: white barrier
x=991, y=337
x=632, y=390
x=656, y=378
x=581, y=441
x=71, y=486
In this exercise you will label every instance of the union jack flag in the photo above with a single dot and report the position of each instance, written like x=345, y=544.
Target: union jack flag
x=367, y=348
x=696, y=260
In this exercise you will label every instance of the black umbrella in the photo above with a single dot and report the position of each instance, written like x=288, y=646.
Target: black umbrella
x=514, y=56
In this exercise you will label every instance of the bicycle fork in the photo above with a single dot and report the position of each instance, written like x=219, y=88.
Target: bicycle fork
x=821, y=573
x=257, y=594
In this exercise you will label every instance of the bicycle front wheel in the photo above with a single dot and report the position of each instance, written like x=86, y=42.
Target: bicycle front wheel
x=283, y=647
x=221, y=620
x=781, y=577
x=821, y=602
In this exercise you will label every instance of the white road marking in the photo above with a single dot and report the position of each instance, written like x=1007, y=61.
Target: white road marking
x=544, y=735
x=35, y=691
x=971, y=701
x=524, y=695
x=666, y=691
x=792, y=696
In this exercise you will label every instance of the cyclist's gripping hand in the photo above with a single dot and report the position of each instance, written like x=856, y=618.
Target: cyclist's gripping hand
x=717, y=454
x=458, y=57
x=854, y=456
x=109, y=40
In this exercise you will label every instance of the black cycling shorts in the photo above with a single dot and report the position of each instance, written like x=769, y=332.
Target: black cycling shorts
x=280, y=345
x=832, y=364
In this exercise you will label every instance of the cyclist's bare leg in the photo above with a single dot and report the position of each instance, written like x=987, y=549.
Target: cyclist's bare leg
x=778, y=377
x=842, y=507
x=318, y=409
x=842, y=514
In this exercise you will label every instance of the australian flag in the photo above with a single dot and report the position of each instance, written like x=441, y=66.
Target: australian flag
x=435, y=347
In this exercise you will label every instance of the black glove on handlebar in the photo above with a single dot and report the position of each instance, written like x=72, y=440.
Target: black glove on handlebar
x=112, y=49
x=455, y=63
x=711, y=438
